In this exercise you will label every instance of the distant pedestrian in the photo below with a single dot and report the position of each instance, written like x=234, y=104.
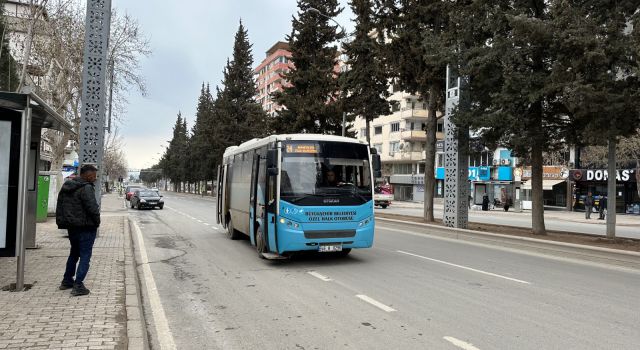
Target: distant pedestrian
x=588, y=205
x=485, y=202
x=507, y=203
x=470, y=200
x=602, y=207
x=78, y=212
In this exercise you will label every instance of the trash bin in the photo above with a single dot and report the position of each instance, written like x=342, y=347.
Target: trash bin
x=43, y=198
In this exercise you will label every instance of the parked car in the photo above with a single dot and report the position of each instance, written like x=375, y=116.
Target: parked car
x=130, y=189
x=144, y=198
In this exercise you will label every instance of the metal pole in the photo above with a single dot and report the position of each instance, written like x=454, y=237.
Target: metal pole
x=344, y=120
x=96, y=43
x=611, y=189
x=110, y=94
x=25, y=145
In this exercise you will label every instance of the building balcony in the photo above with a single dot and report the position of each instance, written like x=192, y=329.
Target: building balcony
x=416, y=113
x=413, y=135
x=414, y=156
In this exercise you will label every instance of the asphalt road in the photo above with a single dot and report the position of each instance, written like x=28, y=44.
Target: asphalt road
x=409, y=291
x=594, y=227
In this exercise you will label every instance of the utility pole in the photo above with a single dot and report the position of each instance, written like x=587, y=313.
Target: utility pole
x=611, y=188
x=456, y=156
x=94, y=70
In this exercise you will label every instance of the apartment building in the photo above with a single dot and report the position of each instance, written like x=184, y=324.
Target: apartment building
x=399, y=138
x=269, y=75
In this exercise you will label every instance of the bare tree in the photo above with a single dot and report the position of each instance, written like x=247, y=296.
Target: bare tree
x=114, y=163
x=62, y=52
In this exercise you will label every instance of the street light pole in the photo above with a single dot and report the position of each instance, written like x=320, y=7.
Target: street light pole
x=318, y=12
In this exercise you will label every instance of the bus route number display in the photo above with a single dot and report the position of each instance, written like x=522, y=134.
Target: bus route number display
x=302, y=148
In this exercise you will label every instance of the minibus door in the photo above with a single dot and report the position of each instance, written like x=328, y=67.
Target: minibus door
x=254, y=211
x=220, y=195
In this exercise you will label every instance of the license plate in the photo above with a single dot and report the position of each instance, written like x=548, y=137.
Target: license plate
x=328, y=248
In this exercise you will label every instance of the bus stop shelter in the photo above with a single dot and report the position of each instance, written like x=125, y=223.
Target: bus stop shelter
x=22, y=118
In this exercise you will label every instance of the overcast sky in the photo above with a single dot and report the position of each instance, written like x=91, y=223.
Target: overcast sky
x=191, y=41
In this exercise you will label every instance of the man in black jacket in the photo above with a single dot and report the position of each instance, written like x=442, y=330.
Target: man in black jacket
x=78, y=212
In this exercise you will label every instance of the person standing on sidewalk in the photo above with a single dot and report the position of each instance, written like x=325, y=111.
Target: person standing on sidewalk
x=588, y=205
x=602, y=207
x=78, y=212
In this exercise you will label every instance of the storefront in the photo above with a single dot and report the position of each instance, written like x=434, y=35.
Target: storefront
x=595, y=181
x=554, y=186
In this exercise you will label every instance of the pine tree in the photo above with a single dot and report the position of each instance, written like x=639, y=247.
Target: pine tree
x=419, y=34
x=365, y=83
x=603, y=80
x=244, y=118
x=176, y=158
x=311, y=96
x=8, y=76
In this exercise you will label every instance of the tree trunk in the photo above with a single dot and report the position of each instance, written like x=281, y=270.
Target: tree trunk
x=611, y=188
x=537, y=208
x=430, y=151
x=367, y=125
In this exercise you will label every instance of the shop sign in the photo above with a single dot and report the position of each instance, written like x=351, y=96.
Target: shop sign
x=476, y=173
x=548, y=173
x=622, y=175
x=440, y=146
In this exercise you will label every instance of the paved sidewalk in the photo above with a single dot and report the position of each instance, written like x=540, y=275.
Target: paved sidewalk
x=45, y=317
x=556, y=220
x=564, y=215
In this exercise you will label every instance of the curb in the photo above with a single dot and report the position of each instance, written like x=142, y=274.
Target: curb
x=136, y=325
x=558, y=249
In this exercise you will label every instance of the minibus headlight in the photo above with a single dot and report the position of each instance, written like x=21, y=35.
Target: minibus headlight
x=365, y=222
x=289, y=223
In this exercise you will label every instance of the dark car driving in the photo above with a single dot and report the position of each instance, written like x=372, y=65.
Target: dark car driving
x=143, y=198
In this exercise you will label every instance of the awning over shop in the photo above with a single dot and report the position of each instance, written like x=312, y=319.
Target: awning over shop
x=547, y=185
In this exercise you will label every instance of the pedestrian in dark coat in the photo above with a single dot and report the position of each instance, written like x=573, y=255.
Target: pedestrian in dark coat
x=78, y=212
x=485, y=202
x=588, y=205
x=602, y=207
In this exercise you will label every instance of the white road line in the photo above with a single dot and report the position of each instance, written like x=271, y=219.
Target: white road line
x=198, y=220
x=375, y=303
x=215, y=228
x=165, y=339
x=205, y=223
x=459, y=343
x=464, y=267
x=319, y=276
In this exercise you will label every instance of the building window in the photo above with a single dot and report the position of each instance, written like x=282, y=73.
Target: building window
x=363, y=132
x=377, y=130
x=395, y=127
x=378, y=147
x=403, y=169
x=395, y=106
x=440, y=127
x=439, y=160
x=394, y=147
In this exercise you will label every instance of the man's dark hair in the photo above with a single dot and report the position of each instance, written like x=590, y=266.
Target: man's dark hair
x=87, y=168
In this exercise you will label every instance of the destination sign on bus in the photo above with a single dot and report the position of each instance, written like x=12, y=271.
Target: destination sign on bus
x=302, y=148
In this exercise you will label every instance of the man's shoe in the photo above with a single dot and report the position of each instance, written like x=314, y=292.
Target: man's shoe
x=64, y=285
x=79, y=289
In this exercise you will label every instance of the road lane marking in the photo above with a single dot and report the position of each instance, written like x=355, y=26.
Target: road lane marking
x=459, y=343
x=319, y=276
x=464, y=267
x=198, y=220
x=215, y=228
x=165, y=339
x=375, y=303
x=206, y=223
